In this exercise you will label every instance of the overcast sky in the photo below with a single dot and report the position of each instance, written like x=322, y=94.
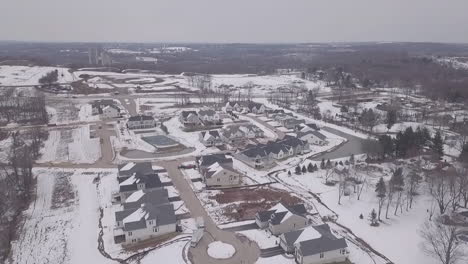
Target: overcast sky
x=234, y=20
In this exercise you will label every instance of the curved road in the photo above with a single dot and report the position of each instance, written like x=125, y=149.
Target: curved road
x=247, y=252
x=352, y=146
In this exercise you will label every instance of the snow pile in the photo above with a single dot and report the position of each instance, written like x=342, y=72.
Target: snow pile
x=220, y=250
x=25, y=75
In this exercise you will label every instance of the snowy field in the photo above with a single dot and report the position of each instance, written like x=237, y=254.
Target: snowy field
x=27, y=76
x=71, y=145
x=63, y=220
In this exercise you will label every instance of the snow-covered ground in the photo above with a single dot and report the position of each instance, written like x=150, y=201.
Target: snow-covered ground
x=220, y=250
x=382, y=238
x=26, y=76
x=263, y=238
x=71, y=145
x=61, y=225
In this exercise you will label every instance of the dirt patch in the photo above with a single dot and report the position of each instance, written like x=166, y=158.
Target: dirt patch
x=64, y=194
x=244, y=203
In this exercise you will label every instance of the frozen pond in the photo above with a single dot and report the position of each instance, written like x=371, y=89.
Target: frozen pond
x=353, y=146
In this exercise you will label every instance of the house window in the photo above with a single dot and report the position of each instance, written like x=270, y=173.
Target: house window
x=155, y=229
x=134, y=240
x=150, y=222
x=129, y=233
x=321, y=255
x=218, y=180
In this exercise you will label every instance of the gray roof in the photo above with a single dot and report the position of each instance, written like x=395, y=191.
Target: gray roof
x=291, y=237
x=214, y=133
x=154, y=196
x=320, y=245
x=298, y=209
x=275, y=147
x=164, y=215
x=207, y=160
x=207, y=112
x=142, y=168
x=465, y=214
x=140, y=118
x=151, y=181
x=187, y=113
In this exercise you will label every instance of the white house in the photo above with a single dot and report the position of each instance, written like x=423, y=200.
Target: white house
x=220, y=175
x=251, y=131
x=141, y=122
x=282, y=219
x=232, y=106
x=255, y=108
x=313, y=137
x=189, y=118
x=319, y=246
x=110, y=111
x=145, y=222
x=211, y=138
x=208, y=115
x=232, y=133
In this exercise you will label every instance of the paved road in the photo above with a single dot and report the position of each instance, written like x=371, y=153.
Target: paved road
x=353, y=146
x=246, y=251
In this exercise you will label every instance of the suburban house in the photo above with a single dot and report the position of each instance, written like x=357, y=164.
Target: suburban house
x=97, y=107
x=290, y=122
x=208, y=115
x=136, y=182
x=208, y=160
x=315, y=245
x=189, y=118
x=220, y=175
x=110, y=111
x=274, y=112
x=307, y=127
x=154, y=196
x=128, y=169
x=282, y=219
x=251, y=131
x=148, y=221
x=232, y=106
x=314, y=137
x=255, y=108
x=211, y=138
x=141, y=122
x=232, y=134
x=265, y=155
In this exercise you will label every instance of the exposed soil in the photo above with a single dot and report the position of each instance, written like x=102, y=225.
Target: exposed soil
x=245, y=203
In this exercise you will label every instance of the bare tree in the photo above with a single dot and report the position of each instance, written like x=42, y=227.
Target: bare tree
x=441, y=242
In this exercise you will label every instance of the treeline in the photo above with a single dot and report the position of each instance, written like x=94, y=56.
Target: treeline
x=23, y=110
x=17, y=181
x=406, y=144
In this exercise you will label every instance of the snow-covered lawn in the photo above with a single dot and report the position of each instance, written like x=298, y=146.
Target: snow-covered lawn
x=73, y=146
x=61, y=225
x=263, y=238
x=220, y=250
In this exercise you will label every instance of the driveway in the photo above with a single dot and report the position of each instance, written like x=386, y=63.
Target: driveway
x=246, y=251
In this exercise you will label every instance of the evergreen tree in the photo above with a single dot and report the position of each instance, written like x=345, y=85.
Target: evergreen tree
x=322, y=164
x=310, y=167
x=329, y=164
x=464, y=154
x=391, y=118
x=352, y=159
x=381, y=190
x=289, y=173
x=298, y=170
x=438, y=145
x=387, y=145
x=316, y=167
x=304, y=169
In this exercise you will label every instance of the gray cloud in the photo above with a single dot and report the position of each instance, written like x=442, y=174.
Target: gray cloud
x=234, y=20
